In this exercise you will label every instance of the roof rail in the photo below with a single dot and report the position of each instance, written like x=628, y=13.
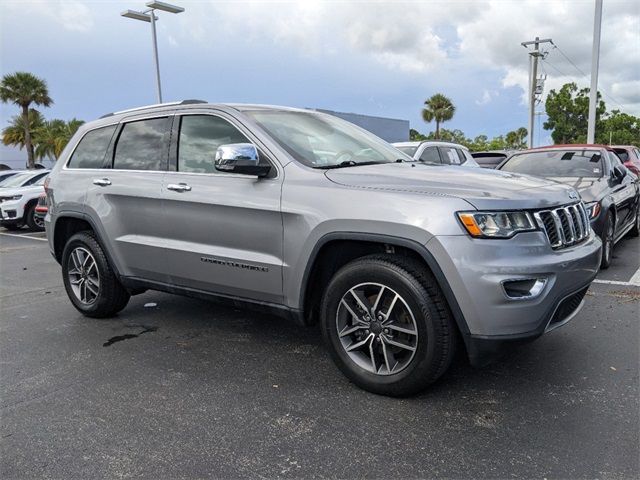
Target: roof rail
x=182, y=102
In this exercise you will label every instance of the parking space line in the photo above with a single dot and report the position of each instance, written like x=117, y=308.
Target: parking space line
x=634, y=282
x=23, y=236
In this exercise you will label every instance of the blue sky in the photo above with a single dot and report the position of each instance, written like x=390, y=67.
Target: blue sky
x=378, y=58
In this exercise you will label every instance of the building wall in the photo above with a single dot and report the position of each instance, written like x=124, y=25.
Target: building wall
x=389, y=129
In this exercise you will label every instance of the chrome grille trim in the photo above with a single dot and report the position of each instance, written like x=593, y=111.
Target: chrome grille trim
x=564, y=226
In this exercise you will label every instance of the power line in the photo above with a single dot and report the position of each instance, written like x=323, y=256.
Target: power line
x=610, y=97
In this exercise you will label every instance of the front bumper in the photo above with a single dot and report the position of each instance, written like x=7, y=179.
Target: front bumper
x=477, y=268
x=11, y=212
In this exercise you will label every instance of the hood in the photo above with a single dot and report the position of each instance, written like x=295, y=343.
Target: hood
x=590, y=189
x=10, y=192
x=484, y=189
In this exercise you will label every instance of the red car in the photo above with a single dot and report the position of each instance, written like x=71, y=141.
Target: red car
x=630, y=156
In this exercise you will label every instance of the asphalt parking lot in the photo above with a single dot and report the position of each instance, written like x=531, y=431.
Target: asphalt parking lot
x=176, y=387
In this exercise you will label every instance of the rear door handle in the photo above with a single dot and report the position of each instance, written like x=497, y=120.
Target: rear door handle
x=103, y=182
x=179, y=187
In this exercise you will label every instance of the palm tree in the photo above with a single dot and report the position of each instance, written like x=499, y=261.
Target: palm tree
x=52, y=136
x=23, y=89
x=438, y=108
x=14, y=134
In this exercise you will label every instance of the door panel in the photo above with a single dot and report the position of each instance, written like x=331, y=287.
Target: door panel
x=224, y=230
x=126, y=200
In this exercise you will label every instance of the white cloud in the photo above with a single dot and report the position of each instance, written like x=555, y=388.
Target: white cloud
x=493, y=39
x=73, y=15
x=487, y=97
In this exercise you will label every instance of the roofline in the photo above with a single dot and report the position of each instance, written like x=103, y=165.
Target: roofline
x=574, y=145
x=155, y=105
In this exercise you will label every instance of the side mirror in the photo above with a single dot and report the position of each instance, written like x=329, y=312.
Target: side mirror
x=619, y=173
x=240, y=158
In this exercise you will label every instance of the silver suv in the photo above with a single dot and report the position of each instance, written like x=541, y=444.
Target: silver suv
x=308, y=216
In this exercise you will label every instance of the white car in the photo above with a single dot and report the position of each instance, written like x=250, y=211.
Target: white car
x=438, y=153
x=18, y=199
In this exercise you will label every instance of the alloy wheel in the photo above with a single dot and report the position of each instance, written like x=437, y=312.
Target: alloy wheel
x=376, y=328
x=608, y=244
x=83, y=274
x=38, y=221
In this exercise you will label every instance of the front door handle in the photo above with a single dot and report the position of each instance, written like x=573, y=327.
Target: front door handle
x=179, y=187
x=102, y=182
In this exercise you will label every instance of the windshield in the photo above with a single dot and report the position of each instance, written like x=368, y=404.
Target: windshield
x=324, y=141
x=557, y=163
x=408, y=150
x=16, y=180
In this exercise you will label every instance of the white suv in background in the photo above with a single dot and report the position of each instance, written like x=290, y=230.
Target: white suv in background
x=18, y=199
x=438, y=153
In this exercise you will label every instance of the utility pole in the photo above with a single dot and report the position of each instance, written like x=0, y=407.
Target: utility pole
x=533, y=81
x=595, y=60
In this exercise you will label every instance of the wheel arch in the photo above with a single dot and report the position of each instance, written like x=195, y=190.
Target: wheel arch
x=334, y=250
x=68, y=224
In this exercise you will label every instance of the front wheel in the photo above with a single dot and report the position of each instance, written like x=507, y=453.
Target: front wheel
x=635, y=231
x=387, y=325
x=607, y=241
x=34, y=223
x=89, y=280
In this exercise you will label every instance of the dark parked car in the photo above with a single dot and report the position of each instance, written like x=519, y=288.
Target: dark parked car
x=630, y=156
x=490, y=159
x=609, y=190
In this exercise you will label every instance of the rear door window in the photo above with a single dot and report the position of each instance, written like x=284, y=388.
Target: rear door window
x=92, y=148
x=450, y=156
x=431, y=155
x=143, y=145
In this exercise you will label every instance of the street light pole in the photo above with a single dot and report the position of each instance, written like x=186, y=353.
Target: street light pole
x=150, y=17
x=155, y=54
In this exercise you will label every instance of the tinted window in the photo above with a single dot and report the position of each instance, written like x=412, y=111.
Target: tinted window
x=450, y=156
x=91, y=150
x=200, y=137
x=623, y=154
x=430, y=155
x=557, y=163
x=408, y=150
x=142, y=145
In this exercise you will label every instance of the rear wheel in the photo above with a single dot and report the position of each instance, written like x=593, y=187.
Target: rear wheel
x=607, y=241
x=387, y=325
x=34, y=224
x=89, y=280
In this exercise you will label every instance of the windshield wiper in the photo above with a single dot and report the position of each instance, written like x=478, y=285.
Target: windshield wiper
x=349, y=163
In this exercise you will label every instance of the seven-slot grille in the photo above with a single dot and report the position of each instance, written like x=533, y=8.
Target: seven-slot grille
x=564, y=226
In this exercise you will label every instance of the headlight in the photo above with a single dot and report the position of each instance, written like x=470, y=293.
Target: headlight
x=15, y=197
x=593, y=209
x=496, y=224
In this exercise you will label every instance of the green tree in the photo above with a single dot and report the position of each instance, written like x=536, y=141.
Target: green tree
x=619, y=128
x=515, y=139
x=568, y=113
x=52, y=136
x=14, y=134
x=416, y=136
x=438, y=108
x=24, y=89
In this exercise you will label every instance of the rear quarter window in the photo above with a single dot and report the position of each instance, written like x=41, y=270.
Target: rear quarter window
x=92, y=148
x=142, y=145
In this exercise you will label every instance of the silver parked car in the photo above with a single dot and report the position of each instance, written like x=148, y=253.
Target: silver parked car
x=436, y=152
x=308, y=216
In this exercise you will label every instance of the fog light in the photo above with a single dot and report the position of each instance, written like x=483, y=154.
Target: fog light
x=524, y=289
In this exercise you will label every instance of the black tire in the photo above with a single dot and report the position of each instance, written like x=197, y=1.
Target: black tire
x=30, y=220
x=436, y=331
x=635, y=231
x=12, y=227
x=607, y=237
x=111, y=295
